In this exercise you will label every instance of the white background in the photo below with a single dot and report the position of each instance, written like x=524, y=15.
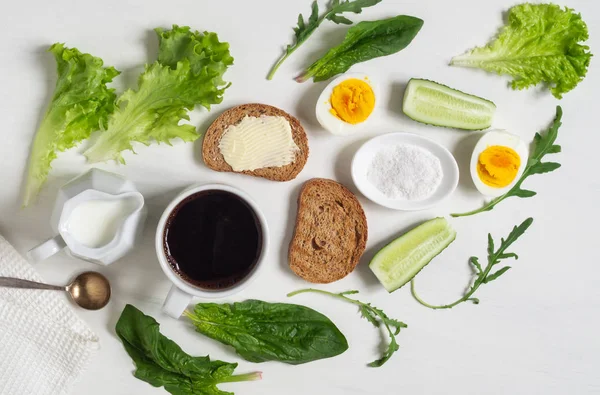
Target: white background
x=536, y=329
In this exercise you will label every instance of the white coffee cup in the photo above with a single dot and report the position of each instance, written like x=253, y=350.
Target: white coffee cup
x=182, y=291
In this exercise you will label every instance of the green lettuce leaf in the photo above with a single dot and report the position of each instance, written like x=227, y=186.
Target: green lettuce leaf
x=540, y=44
x=188, y=72
x=80, y=105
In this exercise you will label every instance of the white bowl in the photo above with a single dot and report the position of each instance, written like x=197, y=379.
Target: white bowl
x=365, y=154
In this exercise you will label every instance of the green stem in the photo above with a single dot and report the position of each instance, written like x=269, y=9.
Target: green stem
x=189, y=314
x=38, y=170
x=465, y=298
x=487, y=207
x=305, y=76
x=43, y=152
x=468, y=213
x=338, y=296
x=470, y=61
x=275, y=67
x=242, y=377
x=102, y=151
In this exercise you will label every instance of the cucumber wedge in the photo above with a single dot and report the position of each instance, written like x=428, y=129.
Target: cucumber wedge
x=401, y=260
x=436, y=104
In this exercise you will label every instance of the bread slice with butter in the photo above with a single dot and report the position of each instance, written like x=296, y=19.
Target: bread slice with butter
x=331, y=232
x=212, y=148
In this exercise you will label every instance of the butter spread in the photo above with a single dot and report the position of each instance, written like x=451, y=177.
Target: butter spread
x=258, y=142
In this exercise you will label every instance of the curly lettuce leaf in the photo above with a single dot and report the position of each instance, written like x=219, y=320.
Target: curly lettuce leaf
x=188, y=72
x=80, y=105
x=540, y=44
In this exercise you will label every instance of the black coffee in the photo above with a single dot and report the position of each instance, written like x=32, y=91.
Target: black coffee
x=213, y=239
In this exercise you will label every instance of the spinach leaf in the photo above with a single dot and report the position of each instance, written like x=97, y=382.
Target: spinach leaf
x=365, y=41
x=261, y=331
x=161, y=362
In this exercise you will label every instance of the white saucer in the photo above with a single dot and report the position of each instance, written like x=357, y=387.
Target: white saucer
x=364, y=156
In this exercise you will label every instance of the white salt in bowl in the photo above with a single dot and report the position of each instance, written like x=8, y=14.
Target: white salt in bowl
x=366, y=153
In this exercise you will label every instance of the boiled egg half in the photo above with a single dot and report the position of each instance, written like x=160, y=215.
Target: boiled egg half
x=498, y=161
x=347, y=103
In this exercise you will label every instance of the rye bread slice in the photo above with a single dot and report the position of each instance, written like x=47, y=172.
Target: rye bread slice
x=214, y=159
x=330, y=234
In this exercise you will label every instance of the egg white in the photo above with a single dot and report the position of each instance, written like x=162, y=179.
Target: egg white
x=329, y=121
x=505, y=139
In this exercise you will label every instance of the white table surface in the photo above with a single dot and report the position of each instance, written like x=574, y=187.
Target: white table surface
x=536, y=329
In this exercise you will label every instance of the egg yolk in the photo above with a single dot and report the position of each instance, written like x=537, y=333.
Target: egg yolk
x=498, y=166
x=352, y=101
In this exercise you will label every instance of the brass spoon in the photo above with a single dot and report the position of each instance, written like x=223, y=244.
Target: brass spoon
x=90, y=290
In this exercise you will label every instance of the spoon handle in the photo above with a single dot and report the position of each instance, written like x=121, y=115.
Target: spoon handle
x=11, y=282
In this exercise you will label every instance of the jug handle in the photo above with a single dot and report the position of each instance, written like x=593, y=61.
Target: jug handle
x=46, y=249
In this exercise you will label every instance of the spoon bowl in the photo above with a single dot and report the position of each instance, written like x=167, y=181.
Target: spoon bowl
x=90, y=290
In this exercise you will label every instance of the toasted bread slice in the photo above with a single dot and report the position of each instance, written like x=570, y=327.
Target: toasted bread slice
x=214, y=159
x=330, y=234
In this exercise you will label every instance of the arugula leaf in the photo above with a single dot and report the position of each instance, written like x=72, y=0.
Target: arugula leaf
x=484, y=276
x=188, y=72
x=305, y=29
x=261, y=331
x=372, y=314
x=543, y=145
x=540, y=44
x=162, y=363
x=365, y=41
x=81, y=104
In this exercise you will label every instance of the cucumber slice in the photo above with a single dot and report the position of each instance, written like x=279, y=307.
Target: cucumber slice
x=436, y=104
x=401, y=260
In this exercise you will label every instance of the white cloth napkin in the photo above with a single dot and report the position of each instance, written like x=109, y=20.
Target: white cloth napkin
x=44, y=346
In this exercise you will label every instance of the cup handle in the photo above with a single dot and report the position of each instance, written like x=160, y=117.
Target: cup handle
x=46, y=249
x=176, y=303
